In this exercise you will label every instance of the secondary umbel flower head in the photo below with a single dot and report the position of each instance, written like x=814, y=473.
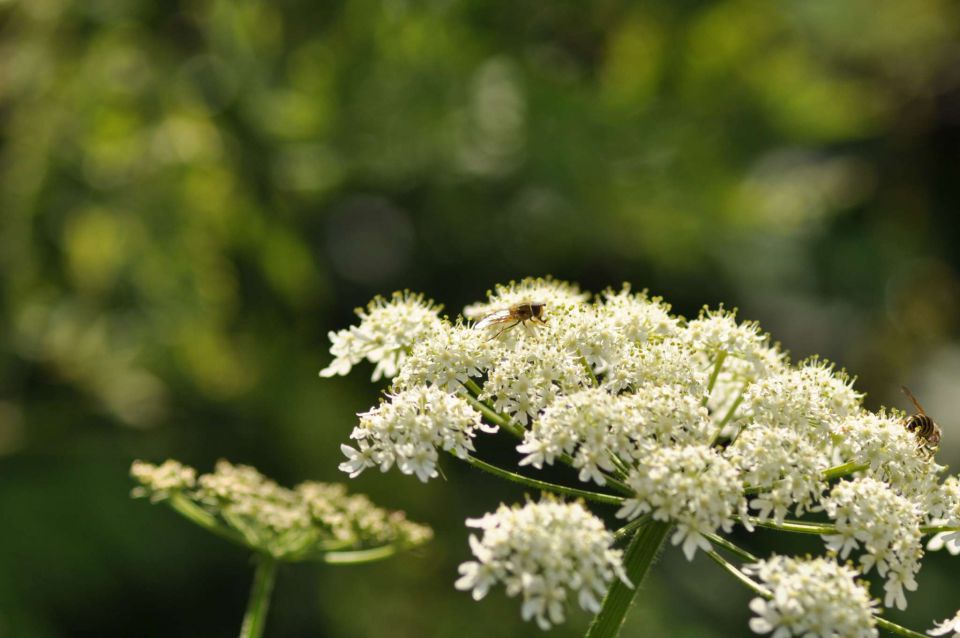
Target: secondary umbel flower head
x=811, y=599
x=159, y=482
x=290, y=524
x=543, y=552
x=387, y=331
x=692, y=486
x=409, y=428
x=868, y=512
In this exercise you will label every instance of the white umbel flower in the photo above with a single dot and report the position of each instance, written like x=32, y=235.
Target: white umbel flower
x=588, y=425
x=704, y=420
x=448, y=359
x=887, y=525
x=811, y=599
x=692, y=486
x=543, y=552
x=387, y=331
x=784, y=465
x=717, y=331
x=409, y=429
x=882, y=441
x=812, y=397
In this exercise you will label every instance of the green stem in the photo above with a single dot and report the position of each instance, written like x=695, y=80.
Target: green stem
x=894, y=628
x=196, y=514
x=844, y=470
x=729, y=415
x=360, y=555
x=590, y=372
x=800, y=527
x=731, y=547
x=259, y=603
x=608, y=499
x=637, y=561
x=739, y=575
x=627, y=530
x=721, y=356
x=495, y=417
x=518, y=431
x=936, y=529
x=830, y=474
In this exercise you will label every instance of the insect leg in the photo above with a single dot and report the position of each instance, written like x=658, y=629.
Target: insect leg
x=502, y=330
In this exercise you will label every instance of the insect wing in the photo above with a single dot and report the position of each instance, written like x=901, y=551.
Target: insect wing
x=495, y=317
x=913, y=399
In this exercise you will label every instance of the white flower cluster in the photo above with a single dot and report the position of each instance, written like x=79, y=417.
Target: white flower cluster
x=881, y=441
x=291, y=524
x=868, y=512
x=596, y=428
x=783, y=464
x=692, y=486
x=543, y=552
x=697, y=422
x=811, y=598
x=158, y=482
x=387, y=331
x=944, y=504
x=409, y=429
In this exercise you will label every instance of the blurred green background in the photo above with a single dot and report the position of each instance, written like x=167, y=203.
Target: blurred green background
x=193, y=193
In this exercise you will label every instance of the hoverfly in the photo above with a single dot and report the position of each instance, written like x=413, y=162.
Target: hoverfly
x=517, y=313
x=927, y=431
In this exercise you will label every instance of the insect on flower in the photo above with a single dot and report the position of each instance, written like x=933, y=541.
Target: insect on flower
x=927, y=431
x=517, y=313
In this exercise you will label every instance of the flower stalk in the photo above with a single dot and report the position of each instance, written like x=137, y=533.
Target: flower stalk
x=637, y=561
x=258, y=604
x=544, y=486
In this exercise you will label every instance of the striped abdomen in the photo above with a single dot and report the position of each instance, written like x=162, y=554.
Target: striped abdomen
x=922, y=425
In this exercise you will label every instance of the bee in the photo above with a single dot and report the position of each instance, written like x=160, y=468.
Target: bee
x=517, y=313
x=927, y=431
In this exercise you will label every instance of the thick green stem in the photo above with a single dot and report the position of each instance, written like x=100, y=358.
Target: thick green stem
x=607, y=499
x=259, y=602
x=637, y=561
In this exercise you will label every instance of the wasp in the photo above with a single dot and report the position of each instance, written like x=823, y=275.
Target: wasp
x=927, y=431
x=517, y=313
